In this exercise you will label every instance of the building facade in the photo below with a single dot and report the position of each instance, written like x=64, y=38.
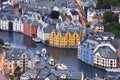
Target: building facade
x=17, y=58
x=98, y=53
x=66, y=37
x=43, y=32
x=97, y=26
x=11, y=23
x=30, y=27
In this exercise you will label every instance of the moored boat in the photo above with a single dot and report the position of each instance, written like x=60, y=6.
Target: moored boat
x=37, y=40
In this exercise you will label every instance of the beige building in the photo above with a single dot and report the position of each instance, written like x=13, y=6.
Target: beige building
x=97, y=26
x=17, y=58
x=105, y=55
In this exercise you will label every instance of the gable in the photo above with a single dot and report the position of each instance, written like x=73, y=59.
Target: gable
x=97, y=54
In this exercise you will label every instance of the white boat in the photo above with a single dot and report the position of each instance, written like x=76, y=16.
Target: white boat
x=7, y=44
x=61, y=67
x=113, y=69
x=51, y=62
x=37, y=40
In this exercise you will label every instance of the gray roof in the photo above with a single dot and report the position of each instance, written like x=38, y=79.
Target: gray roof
x=97, y=16
x=106, y=34
x=97, y=23
x=15, y=54
x=9, y=16
x=74, y=12
x=70, y=29
x=107, y=52
x=31, y=73
x=47, y=29
x=33, y=22
x=100, y=36
x=115, y=8
x=52, y=73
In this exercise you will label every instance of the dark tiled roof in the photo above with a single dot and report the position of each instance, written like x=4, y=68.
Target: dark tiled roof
x=33, y=22
x=97, y=16
x=54, y=75
x=74, y=12
x=97, y=23
x=15, y=54
x=115, y=8
x=107, y=52
x=105, y=34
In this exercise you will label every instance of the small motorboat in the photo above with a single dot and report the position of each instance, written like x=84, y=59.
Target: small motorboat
x=61, y=67
x=7, y=44
x=51, y=62
x=36, y=39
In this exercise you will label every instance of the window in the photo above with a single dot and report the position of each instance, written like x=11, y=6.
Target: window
x=111, y=63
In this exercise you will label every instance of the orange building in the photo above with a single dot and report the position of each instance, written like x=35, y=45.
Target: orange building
x=30, y=27
x=1, y=62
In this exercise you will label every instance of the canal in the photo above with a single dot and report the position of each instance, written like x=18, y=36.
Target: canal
x=67, y=56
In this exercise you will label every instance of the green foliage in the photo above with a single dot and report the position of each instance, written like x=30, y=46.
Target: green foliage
x=106, y=4
x=12, y=77
x=113, y=27
x=17, y=71
x=110, y=17
x=1, y=42
x=85, y=9
x=88, y=25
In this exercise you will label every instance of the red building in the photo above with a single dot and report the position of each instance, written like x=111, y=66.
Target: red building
x=30, y=27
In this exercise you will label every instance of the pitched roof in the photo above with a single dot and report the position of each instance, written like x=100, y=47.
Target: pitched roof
x=33, y=22
x=74, y=12
x=15, y=54
x=97, y=23
x=107, y=52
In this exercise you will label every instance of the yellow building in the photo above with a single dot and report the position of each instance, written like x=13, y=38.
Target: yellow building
x=66, y=38
x=97, y=18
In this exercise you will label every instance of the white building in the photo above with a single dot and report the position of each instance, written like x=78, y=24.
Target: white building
x=17, y=58
x=105, y=55
x=43, y=32
x=11, y=22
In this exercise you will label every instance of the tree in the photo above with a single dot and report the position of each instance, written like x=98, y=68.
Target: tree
x=108, y=16
x=113, y=27
x=88, y=25
x=1, y=42
x=17, y=71
x=106, y=4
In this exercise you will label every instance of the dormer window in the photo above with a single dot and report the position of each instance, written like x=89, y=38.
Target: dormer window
x=12, y=55
x=23, y=56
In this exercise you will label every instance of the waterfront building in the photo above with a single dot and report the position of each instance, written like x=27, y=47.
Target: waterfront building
x=17, y=58
x=100, y=53
x=66, y=36
x=97, y=26
x=11, y=22
x=43, y=32
x=30, y=27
